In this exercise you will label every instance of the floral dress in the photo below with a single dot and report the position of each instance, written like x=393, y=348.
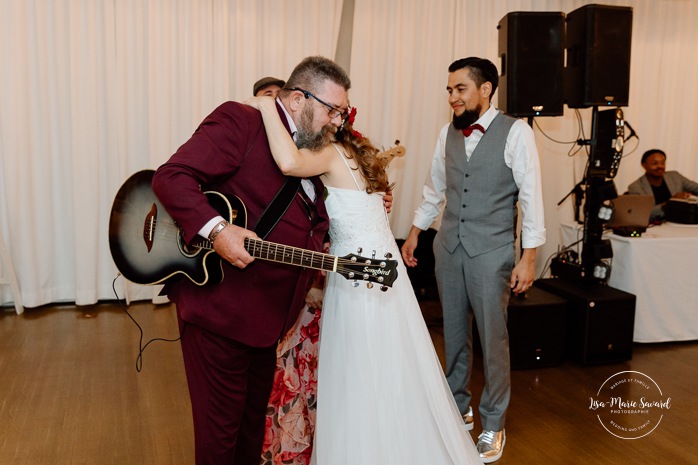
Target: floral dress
x=290, y=426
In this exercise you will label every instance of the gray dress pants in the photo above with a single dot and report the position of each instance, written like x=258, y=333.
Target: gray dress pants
x=477, y=287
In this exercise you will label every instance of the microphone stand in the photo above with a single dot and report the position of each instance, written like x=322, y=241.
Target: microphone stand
x=578, y=198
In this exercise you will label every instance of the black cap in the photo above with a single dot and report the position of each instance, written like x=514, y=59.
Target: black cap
x=266, y=82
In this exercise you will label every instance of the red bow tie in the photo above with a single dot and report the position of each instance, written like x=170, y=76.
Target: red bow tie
x=469, y=130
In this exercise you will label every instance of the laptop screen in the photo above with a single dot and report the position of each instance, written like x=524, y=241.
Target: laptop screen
x=631, y=211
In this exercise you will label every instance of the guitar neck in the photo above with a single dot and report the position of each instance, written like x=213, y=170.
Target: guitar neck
x=280, y=253
x=290, y=255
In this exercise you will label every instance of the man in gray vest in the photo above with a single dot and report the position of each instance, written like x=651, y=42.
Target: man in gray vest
x=484, y=163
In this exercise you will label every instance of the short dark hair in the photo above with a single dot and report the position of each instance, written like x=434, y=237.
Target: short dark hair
x=651, y=152
x=481, y=70
x=313, y=71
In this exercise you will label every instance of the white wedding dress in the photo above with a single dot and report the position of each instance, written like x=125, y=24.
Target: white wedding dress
x=382, y=397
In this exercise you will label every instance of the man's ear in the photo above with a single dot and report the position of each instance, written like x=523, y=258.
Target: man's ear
x=297, y=99
x=486, y=90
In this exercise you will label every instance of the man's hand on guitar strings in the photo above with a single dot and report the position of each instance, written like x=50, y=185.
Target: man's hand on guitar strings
x=230, y=245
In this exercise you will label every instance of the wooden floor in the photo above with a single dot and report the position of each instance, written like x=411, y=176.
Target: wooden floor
x=70, y=394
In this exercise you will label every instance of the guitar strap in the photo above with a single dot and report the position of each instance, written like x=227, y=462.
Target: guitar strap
x=276, y=209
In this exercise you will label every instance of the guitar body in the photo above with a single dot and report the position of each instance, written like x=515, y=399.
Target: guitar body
x=146, y=244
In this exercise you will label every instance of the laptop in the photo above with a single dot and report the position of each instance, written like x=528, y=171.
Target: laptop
x=631, y=214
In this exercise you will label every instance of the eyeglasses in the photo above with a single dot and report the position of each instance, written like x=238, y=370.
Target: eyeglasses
x=333, y=112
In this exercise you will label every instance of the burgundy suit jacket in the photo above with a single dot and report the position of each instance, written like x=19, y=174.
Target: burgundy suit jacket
x=229, y=153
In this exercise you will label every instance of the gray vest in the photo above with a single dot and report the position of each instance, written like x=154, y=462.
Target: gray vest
x=481, y=194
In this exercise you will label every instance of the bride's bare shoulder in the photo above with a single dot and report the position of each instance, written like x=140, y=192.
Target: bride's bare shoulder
x=343, y=171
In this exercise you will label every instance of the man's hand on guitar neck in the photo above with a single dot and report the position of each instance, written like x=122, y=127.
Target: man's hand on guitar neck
x=230, y=245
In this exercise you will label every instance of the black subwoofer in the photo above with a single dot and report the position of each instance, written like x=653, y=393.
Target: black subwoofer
x=600, y=320
x=537, y=325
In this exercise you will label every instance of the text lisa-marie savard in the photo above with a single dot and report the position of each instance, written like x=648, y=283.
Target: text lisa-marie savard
x=636, y=405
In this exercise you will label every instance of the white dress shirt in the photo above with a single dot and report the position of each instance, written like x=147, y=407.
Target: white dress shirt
x=520, y=154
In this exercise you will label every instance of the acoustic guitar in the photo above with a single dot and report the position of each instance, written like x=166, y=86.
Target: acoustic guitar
x=148, y=248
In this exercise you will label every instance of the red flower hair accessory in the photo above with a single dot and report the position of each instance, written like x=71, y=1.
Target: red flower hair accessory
x=352, y=115
x=349, y=120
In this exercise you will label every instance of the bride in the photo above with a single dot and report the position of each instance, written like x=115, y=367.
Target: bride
x=382, y=397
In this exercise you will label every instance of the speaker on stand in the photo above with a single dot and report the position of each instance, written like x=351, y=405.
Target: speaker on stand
x=531, y=54
x=597, y=43
x=597, y=74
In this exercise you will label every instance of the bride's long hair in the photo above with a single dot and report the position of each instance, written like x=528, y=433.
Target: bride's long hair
x=371, y=166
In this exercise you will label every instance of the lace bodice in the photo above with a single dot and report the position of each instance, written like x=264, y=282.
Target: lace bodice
x=358, y=220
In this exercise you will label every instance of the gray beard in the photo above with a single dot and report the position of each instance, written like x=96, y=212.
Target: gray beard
x=306, y=138
x=314, y=141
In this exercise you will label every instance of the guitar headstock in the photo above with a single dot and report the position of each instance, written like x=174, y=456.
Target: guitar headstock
x=373, y=270
x=396, y=151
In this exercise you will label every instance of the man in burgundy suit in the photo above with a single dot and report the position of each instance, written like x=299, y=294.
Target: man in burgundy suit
x=230, y=330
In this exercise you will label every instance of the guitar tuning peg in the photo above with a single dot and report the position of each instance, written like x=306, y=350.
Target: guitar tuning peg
x=384, y=288
x=355, y=283
x=374, y=254
x=369, y=285
x=388, y=255
x=359, y=250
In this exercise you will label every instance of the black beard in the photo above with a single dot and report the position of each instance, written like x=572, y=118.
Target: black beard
x=307, y=139
x=467, y=118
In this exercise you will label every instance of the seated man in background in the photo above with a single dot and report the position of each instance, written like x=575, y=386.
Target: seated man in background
x=664, y=185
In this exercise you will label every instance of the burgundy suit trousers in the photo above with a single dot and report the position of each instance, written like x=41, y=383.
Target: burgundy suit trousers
x=229, y=385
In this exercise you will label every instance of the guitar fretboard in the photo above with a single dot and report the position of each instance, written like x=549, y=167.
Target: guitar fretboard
x=349, y=266
x=291, y=255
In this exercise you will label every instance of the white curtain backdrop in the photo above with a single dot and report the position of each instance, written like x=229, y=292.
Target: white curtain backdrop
x=93, y=90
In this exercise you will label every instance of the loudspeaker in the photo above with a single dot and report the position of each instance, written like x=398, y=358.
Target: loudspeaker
x=531, y=53
x=537, y=325
x=681, y=211
x=597, y=42
x=600, y=320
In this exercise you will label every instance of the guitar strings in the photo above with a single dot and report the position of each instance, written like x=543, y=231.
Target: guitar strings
x=297, y=255
x=286, y=254
x=270, y=251
x=317, y=260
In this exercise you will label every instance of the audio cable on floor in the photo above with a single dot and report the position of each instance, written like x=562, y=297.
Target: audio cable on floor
x=141, y=347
